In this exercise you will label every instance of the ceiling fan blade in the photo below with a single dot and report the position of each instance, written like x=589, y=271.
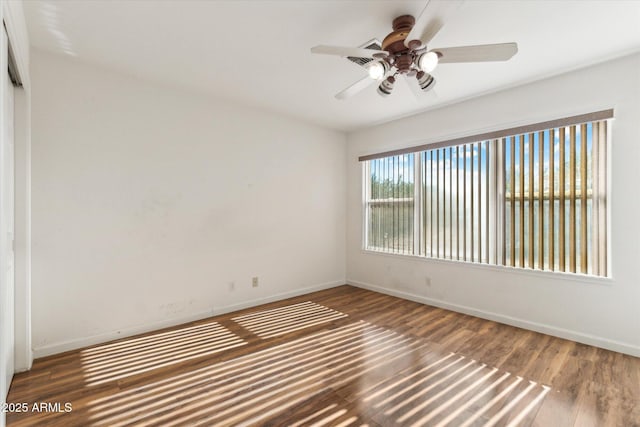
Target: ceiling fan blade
x=362, y=84
x=349, y=51
x=431, y=20
x=412, y=83
x=419, y=93
x=355, y=88
x=479, y=53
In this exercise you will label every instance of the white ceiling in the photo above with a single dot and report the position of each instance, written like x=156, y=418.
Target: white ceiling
x=257, y=52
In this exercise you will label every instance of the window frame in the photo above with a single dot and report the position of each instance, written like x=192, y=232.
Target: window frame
x=367, y=200
x=497, y=197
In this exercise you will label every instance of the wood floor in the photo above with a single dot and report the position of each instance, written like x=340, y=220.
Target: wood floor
x=340, y=357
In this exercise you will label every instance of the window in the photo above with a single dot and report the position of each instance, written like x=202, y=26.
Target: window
x=390, y=205
x=530, y=197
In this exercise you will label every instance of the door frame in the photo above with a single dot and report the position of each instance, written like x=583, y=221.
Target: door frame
x=7, y=225
x=12, y=16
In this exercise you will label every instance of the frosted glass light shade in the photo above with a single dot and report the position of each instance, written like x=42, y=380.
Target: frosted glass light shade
x=376, y=70
x=428, y=62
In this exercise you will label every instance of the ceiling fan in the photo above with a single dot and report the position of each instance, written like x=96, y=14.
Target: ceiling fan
x=404, y=51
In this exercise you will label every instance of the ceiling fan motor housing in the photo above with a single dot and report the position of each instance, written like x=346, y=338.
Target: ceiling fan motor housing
x=394, y=42
x=404, y=63
x=401, y=56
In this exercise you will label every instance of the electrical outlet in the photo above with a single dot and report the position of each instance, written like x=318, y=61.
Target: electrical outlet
x=427, y=281
x=232, y=285
x=254, y=282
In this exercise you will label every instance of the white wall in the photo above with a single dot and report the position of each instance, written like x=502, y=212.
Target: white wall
x=599, y=312
x=148, y=202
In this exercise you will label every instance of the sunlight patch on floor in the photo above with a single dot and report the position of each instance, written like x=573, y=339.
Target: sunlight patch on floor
x=416, y=386
x=282, y=320
x=252, y=388
x=133, y=356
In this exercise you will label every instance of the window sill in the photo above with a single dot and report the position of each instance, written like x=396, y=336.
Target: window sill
x=554, y=275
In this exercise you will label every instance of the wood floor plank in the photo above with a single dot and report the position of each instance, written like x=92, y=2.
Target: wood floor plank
x=386, y=362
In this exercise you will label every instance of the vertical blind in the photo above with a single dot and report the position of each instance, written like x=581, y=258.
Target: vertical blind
x=555, y=199
x=534, y=199
x=455, y=202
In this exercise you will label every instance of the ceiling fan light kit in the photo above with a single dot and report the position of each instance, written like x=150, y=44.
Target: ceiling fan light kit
x=404, y=51
x=386, y=87
x=428, y=61
x=377, y=69
x=425, y=80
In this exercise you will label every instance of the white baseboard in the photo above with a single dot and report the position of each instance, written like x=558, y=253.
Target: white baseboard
x=276, y=297
x=593, y=340
x=60, y=347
